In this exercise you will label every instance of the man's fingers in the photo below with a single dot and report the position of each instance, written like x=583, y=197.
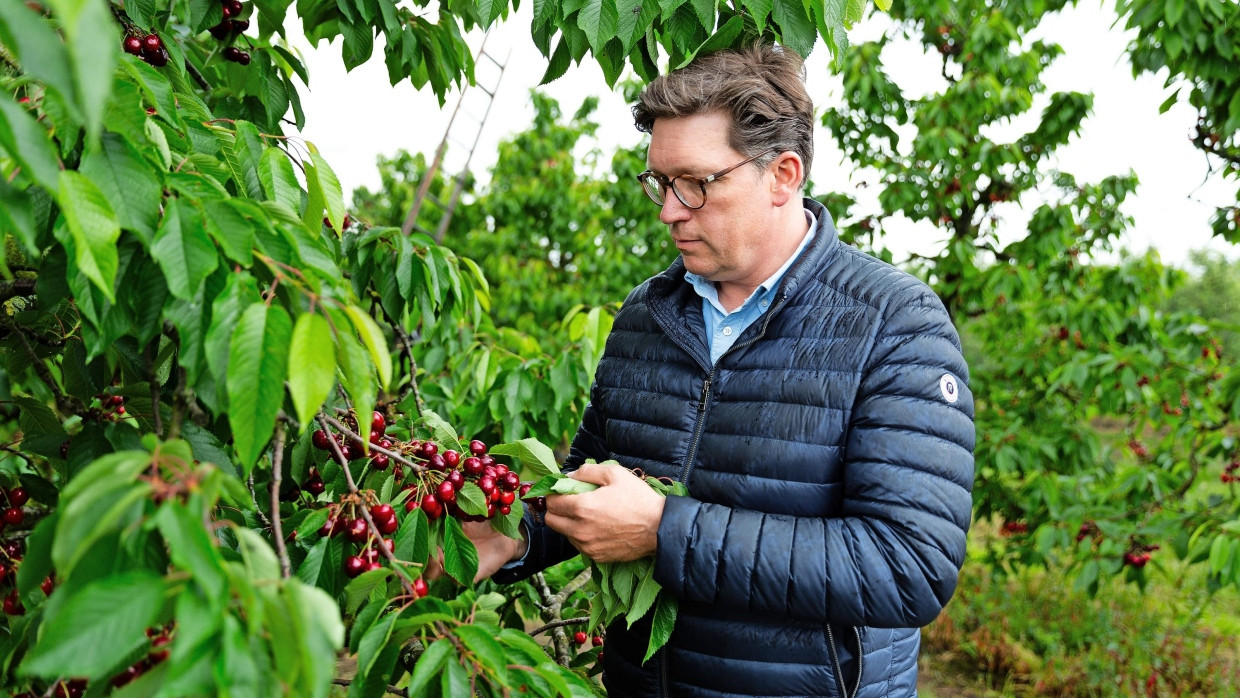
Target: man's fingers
x=593, y=473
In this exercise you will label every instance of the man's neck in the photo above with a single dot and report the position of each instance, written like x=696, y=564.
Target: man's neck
x=791, y=229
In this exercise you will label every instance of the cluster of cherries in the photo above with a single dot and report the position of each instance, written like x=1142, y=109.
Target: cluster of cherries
x=355, y=529
x=11, y=552
x=1139, y=555
x=160, y=639
x=13, y=514
x=229, y=26
x=149, y=48
x=1229, y=473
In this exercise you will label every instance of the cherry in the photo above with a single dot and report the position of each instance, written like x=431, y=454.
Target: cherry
x=429, y=449
x=232, y=53
x=486, y=483
x=353, y=566
x=227, y=11
x=159, y=60
x=487, y=459
x=477, y=447
x=456, y=478
x=371, y=556
x=452, y=458
x=505, y=509
x=315, y=487
x=47, y=585
x=539, y=504
x=125, y=677
x=221, y=30
x=507, y=498
x=151, y=44
x=446, y=492
x=329, y=527
x=357, y=531
x=511, y=481
x=321, y=440
x=596, y=641
x=431, y=506
x=472, y=465
x=377, y=423
x=234, y=7
x=133, y=45
x=580, y=637
x=437, y=462
x=379, y=461
x=525, y=488
x=420, y=587
x=13, y=605
x=240, y=25
x=157, y=656
x=382, y=512
x=13, y=516
x=389, y=526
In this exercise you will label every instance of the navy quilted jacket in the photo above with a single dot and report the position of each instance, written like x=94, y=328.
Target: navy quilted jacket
x=828, y=456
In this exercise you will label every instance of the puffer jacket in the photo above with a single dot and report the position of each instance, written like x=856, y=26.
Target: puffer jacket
x=828, y=458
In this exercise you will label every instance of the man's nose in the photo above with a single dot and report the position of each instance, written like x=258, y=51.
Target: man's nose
x=672, y=210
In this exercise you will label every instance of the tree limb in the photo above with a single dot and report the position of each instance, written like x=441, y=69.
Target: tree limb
x=277, y=462
x=16, y=288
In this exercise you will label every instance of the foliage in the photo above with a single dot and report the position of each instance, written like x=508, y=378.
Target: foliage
x=1212, y=289
x=1031, y=635
x=1195, y=43
x=1058, y=341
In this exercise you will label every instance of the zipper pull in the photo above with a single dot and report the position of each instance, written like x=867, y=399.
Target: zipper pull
x=705, y=394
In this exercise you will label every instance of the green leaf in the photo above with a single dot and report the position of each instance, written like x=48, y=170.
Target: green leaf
x=460, y=558
x=454, y=681
x=471, y=500
x=486, y=649
x=796, y=28
x=329, y=185
x=97, y=626
x=442, y=430
x=102, y=497
x=643, y=598
x=257, y=368
x=182, y=248
x=94, y=229
x=373, y=642
x=532, y=454
x=372, y=336
x=358, y=590
x=598, y=20
x=355, y=369
x=275, y=171
x=260, y=559
x=244, y=155
x=39, y=50
x=311, y=366
x=663, y=624
x=853, y=12
x=128, y=183
x=229, y=227
x=94, y=42
x=412, y=542
x=192, y=550
x=429, y=665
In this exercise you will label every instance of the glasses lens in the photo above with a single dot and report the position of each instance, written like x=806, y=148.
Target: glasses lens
x=653, y=190
x=690, y=192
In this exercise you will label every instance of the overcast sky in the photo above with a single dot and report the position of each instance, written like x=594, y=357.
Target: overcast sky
x=357, y=116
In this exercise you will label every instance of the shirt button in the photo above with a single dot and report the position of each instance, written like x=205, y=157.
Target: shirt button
x=727, y=332
x=765, y=303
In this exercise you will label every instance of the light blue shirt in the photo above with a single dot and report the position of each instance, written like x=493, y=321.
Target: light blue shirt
x=722, y=327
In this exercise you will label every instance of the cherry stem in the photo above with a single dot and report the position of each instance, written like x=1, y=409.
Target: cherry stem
x=358, y=438
x=559, y=624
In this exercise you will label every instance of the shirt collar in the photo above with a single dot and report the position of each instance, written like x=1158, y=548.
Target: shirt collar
x=706, y=288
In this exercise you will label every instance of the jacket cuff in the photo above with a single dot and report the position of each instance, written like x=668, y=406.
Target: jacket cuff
x=675, y=537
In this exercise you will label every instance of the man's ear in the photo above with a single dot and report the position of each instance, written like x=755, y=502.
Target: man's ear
x=789, y=171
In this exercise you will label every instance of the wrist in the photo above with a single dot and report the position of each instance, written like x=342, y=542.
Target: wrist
x=521, y=545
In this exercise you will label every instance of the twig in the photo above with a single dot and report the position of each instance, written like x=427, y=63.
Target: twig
x=338, y=426
x=277, y=461
x=68, y=404
x=390, y=689
x=552, y=605
x=198, y=77
x=15, y=288
x=559, y=623
x=152, y=381
x=249, y=483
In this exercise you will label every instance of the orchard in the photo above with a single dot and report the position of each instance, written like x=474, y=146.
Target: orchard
x=244, y=429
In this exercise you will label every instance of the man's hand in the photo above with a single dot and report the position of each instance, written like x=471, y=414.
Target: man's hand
x=494, y=550
x=615, y=523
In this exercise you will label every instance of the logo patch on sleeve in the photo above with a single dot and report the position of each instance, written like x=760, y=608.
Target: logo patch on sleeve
x=947, y=386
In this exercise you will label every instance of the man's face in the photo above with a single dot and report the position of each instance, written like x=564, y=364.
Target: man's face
x=723, y=240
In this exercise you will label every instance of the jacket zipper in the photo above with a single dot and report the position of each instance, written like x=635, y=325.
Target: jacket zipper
x=702, y=404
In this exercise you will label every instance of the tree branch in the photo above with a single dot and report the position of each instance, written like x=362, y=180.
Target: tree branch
x=559, y=624
x=16, y=288
x=67, y=404
x=277, y=462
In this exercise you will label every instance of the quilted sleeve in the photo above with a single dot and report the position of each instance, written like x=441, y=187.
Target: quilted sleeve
x=892, y=558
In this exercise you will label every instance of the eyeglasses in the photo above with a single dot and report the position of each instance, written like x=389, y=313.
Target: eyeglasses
x=691, y=191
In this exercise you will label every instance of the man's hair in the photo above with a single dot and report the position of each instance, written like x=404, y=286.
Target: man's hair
x=760, y=87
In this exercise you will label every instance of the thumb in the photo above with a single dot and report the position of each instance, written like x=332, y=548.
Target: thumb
x=593, y=473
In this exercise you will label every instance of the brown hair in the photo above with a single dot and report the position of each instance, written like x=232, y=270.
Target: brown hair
x=761, y=87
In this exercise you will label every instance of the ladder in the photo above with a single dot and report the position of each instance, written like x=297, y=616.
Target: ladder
x=458, y=182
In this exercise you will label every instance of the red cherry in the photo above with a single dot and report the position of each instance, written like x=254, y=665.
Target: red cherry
x=152, y=44
x=357, y=531
x=315, y=487
x=133, y=45
x=377, y=423
x=432, y=506
x=507, y=498
x=472, y=465
x=126, y=676
x=389, y=526
x=452, y=458
x=382, y=512
x=13, y=516
x=18, y=496
x=47, y=585
x=510, y=481
x=486, y=483
x=321, y=440
x=477, y=448
x=437, y=462
x=329, y=526
x=227, y=11
x=525, y=488
x=13, y=605
x=505, y=509
x=354, y=565
x=596, y=641
x=446, y=492
x=487, y=459
x=232, y=53
x=379, y=461
x=420, y=588
x=580, y=637
x=234, y=7
x=371, y=556
x=456, y=478
x=429, y=449
x=240, y=25
x=373, y=565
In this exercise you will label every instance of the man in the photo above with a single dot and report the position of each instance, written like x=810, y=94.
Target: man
x=813, y=399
